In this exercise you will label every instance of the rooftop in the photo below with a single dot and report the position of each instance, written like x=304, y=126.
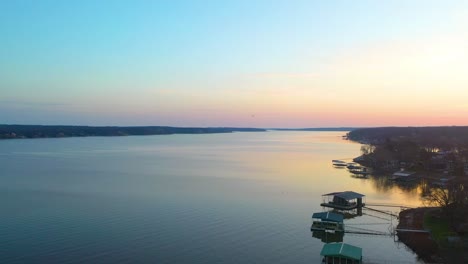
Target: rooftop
x=348, y=195
x=403, y=173
x=342, y=250
x=328, y=216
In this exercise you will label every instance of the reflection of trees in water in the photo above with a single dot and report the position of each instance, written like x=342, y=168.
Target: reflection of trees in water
x=412, y=187
x=381, y=183
x=384, y=184
x=425, y=188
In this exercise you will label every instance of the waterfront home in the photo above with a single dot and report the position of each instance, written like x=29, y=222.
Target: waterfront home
x=391, y=164
x=341, y=253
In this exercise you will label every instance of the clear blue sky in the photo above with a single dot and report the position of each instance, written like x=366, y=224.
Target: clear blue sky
x=233, y=63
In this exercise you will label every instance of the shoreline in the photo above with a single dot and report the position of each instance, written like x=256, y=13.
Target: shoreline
x=39, y=131
x=425, y=245
x=421, y=243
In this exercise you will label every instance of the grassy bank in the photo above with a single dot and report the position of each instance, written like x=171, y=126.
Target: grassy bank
x=439, y=227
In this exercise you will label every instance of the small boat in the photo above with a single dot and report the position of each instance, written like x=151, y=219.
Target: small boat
x=339, y=163
x=360, y=176
x=359, y=171
x=353, y=166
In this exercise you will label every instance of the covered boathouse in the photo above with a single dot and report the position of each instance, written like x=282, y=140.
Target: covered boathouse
x=343, y=200
x=327, y=221
x=341, y=253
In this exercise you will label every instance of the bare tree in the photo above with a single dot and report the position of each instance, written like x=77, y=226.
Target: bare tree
x=452, y=199
x=367, y=149
x=438, y=196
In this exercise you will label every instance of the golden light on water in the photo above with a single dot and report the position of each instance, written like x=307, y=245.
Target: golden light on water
x=302, y=162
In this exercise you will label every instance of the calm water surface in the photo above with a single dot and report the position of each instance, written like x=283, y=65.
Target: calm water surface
x=220, y=198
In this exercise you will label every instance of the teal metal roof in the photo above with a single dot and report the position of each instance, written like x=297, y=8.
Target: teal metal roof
x=328, y=216
x=342, y=250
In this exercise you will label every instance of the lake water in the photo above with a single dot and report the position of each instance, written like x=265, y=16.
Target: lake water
x=213, y=198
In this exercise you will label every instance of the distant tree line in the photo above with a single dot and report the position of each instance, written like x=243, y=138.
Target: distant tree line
x=38, y=131
x=316, y=129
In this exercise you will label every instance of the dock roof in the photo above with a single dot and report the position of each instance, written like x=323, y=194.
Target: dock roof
x=329, y=216
x=342, y=250
x=403, y=173
x=348, y=195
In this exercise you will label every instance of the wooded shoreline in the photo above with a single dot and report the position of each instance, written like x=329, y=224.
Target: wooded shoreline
x=40, y=131
x=439, y=158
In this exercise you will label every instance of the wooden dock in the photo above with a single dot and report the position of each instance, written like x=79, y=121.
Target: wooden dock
x=389, y=205
x=380, y=211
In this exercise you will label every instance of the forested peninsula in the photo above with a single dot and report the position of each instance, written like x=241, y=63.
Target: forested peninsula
x=436, y=160
x=414, y=148
x=40, y=131
x=442, y=137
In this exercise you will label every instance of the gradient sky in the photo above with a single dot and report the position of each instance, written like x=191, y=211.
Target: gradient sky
x=234, y=63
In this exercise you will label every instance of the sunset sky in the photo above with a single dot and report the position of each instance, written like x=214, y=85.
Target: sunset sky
x=234, y=63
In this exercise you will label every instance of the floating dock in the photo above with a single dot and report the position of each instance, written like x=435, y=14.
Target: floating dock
x=333, y=253
x=327, y=221
x=347, y=200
